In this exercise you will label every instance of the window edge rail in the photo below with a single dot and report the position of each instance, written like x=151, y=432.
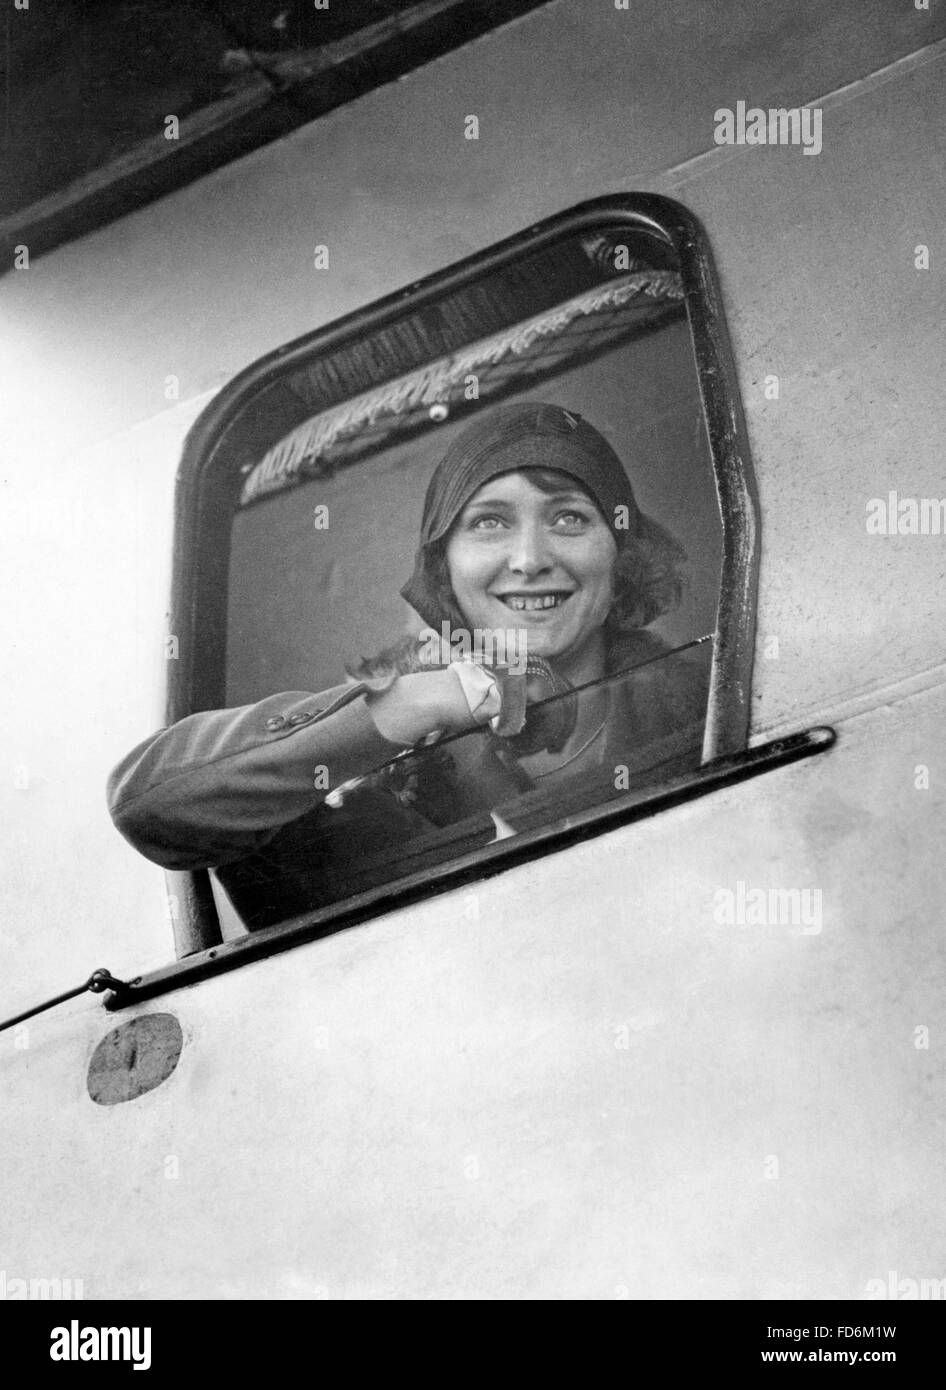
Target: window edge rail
x=475, y=866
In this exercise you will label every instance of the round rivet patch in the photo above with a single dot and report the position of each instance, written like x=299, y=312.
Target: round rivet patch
x=134, y=1058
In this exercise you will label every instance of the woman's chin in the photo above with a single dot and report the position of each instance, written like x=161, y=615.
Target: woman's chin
x=545, y=646
x=568, y=650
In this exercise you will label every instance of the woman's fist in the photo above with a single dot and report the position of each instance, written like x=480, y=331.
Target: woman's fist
x=424, y=702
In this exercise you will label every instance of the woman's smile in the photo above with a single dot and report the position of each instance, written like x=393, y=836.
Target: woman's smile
x=543, y=556
x=535, y=602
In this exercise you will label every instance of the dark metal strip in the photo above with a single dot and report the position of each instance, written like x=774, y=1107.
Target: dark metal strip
x=475, y=866
x=252, y=119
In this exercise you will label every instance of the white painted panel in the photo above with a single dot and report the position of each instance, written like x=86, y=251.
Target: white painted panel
x=572, y=1083
x=85, y=576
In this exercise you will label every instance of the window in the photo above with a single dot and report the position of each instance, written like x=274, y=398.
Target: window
x=298, y=515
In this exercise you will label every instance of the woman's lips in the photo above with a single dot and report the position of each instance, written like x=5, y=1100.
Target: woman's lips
x=535, y=603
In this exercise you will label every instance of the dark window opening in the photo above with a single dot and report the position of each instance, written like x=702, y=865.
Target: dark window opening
x=299, y=506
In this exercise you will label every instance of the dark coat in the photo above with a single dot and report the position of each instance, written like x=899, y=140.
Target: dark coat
x=243, y=790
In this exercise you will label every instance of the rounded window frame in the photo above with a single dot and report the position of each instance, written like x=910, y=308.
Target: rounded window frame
x=209, y=483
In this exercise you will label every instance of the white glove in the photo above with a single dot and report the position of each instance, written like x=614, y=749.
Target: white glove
x=481, y=690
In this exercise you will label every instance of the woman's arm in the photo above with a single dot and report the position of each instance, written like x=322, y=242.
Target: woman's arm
x=216, y=786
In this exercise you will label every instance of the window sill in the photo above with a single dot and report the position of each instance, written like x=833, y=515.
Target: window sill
x=474, y=867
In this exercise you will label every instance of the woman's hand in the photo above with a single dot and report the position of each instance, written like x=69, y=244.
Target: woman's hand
x=423, y=702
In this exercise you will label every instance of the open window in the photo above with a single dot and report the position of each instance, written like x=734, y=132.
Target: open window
x=298, y=509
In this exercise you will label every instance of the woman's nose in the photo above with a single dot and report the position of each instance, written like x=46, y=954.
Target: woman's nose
x=529, y=551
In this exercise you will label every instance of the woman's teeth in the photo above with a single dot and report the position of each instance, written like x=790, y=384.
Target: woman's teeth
x=526, y=602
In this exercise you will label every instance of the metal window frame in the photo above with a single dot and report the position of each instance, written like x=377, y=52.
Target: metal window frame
x=292, y=89
x=208, y=487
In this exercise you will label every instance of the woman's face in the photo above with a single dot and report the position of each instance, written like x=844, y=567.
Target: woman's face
x=540, y=562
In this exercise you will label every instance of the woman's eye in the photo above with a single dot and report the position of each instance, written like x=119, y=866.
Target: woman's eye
x=570, y=521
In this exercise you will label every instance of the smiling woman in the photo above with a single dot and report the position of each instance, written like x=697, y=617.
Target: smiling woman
x=544, y=658
x=532, y=512
x=530, y=518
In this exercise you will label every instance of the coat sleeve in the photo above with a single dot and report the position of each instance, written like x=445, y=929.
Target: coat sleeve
x=216, y=786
